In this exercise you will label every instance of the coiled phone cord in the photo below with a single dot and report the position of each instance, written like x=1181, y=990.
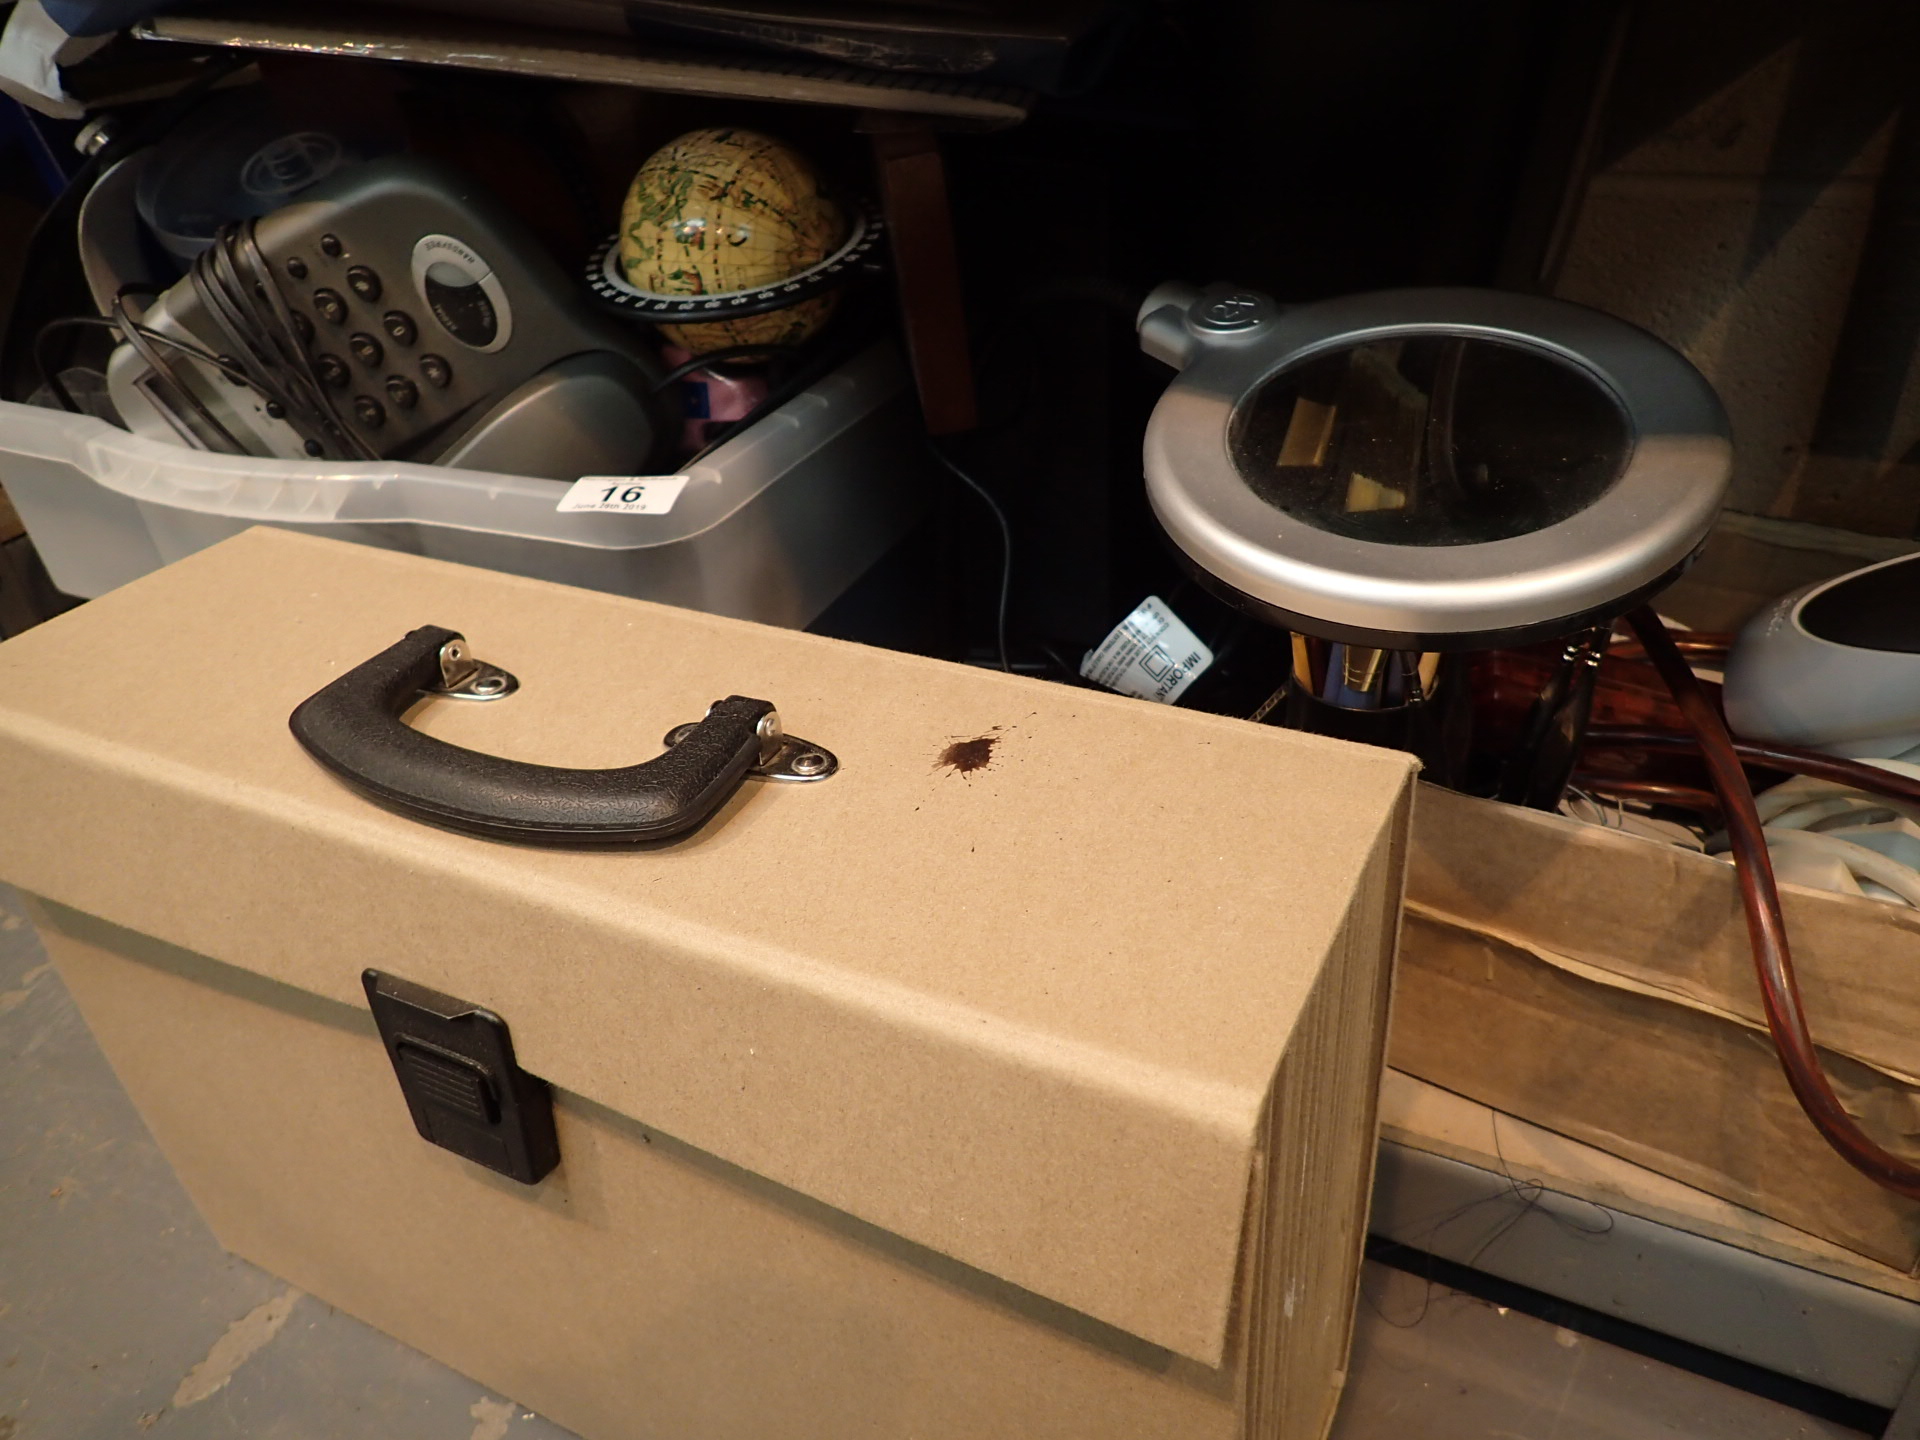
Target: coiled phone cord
x=237, y=289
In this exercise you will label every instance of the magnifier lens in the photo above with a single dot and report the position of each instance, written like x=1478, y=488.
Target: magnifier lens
x=1431, y=440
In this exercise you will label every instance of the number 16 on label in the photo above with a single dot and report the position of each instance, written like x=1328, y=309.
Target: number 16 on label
x=624, y=494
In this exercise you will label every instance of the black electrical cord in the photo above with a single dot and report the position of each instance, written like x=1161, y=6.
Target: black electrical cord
x=50, y=372
x=186, y=347
x=1070, y=672
x=136, y=336
x=282, y=331
x=779, y=354
x=1006, y=545
x=1766, y=928
x=240, y=296
x=237, y=291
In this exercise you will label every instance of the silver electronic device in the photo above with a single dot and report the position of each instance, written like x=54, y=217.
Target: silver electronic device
x=1427, y=470
x=392, y=311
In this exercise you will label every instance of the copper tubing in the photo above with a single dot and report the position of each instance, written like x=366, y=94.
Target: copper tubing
x=1701, y=644
x=1766, y=930
x=1656, y=792
x=1790, y=758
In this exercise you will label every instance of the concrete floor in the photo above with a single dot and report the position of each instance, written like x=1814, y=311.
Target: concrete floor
x=121, y=1319
x=1433, y=1364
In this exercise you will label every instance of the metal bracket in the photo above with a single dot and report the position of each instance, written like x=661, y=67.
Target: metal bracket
x=463, y=677
x=782, y=756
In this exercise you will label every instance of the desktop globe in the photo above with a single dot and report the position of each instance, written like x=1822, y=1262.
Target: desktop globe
x=723, y=210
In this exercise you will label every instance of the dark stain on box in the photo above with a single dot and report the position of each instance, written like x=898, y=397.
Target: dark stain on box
x=963, y=757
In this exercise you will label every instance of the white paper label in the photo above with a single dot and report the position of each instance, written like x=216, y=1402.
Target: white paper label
x=1150, y=655
x=625, y=494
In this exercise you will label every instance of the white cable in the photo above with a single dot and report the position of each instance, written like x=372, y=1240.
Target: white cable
x=1789, y=812
x=1862, y=832
x=1863, y=863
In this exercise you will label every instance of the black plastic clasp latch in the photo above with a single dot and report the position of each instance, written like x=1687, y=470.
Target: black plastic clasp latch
x=456, y=1068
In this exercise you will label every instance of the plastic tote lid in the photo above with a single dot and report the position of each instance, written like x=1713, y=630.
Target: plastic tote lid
x=1433, y=469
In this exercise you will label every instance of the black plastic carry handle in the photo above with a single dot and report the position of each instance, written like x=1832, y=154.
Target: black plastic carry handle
x=353, y=727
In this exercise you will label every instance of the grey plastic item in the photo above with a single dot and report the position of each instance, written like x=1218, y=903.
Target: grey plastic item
x=111, y=255
x=772, y=526
x=1427, y=469
x=1835, y=665
x=591, y=414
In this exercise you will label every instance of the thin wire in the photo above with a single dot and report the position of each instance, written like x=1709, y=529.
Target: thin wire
x=158, y=364
x=49, y=372
x=143, y=338
x=1070, y=673
x=775, y=353
x=106, y=322
x=51, y=375
x=1006, y=545
x=1529, y=1196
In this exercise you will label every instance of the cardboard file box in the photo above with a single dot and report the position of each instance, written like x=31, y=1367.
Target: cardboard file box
x=1600, y=985
x=1017, y=1080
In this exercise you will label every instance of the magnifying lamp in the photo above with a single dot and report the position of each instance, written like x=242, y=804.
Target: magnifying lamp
x=1422, y=471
